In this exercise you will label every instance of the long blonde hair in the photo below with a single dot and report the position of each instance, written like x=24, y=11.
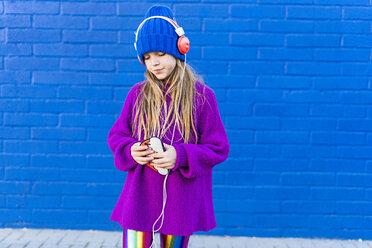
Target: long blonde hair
x=150, y=119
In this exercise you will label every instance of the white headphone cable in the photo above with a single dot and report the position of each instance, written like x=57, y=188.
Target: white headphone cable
x=166, y=177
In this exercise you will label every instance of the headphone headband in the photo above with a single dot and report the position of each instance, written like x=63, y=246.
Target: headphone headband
x=178, y=29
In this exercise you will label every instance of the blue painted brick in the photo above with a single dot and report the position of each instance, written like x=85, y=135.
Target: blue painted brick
x=336, y=165
x=14, y=160
x=57, y=106
x=335, y=110
x=86, y=175
x=232, y=192
x=311, y=96
x=15, y=77
x=314, y=12
x=227, y=53
x=286, y=82
x=59, y=216
x=32, y=174
x=14, y=105
x=118, y=51
x=96, y=93
x=337, y=138
x=130, y=9
x=62, y=22
x=244, y=11
x=30, y=202
x=84, y=147
x=358, y=13
x=72, y=36
x=235, y=95
x=354, y=152
x=59, y=188
x=345, y=27
x=335, y=222
x=276, y=26
x=283, y=220
x=87, y=64
x=26, y=35
x=321, y=40
x=313, y=68
x=130, y=65
x=78, y=120
x=104, y=107
x=342, y=2
x=352, y=83
x=100, y=161
x=30, y=119
x=97, y=134
x=309, y=207
x=57, y=161
x=70, y=8
x=230, y=25
x=75, y=134
x=79, y=202
x=31, y=7
x=29, y=91
x=271, y=40
x=15, y=49
x=357, y=69
x=304, y=178
x=354, y=208
x=281, y=109
x=14, y=133
x=253, y=206
x=359, y=97
x=14, y=21
x=281, y=137
x=257, y=67
x=116, y=23
x=210, y=10
x=209, y=39
x=288, y=54
x=332, y=54
x=45, y=77
x=357, y=41
x=15, y=215
x=23, y=63
x=283, y=193
x=355, y=124
x=252, y=123
x=65, y=50
x=15, y=188
x=336, y=193
x=280, y=164
x=236, y=137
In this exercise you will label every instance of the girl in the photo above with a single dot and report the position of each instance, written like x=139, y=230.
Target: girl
x=179, y=109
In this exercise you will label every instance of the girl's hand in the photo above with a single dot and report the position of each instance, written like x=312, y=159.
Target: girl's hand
x=141, y=154
x=167, y=159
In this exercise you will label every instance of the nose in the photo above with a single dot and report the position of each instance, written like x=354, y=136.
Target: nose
x=154, y=60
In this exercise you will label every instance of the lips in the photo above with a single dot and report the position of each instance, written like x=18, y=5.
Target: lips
x=158, y=71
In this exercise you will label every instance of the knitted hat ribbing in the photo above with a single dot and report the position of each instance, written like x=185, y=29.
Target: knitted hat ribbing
x=158, y=35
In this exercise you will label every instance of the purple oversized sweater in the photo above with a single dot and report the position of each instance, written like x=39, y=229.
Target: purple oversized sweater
x=189, y=206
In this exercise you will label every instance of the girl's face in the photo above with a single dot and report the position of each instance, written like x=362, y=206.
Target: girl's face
x=160, y=64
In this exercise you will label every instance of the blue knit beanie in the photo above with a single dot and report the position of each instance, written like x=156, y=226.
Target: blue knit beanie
x=158, y=35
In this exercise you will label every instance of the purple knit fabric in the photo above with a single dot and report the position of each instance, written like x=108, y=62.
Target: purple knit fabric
x=189, y=206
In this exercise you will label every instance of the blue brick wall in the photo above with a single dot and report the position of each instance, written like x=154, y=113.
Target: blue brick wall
x=292, y=78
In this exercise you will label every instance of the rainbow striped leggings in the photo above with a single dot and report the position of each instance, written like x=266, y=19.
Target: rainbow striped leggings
x=137, y=239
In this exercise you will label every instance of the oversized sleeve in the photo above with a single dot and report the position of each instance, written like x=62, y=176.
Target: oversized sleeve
x=120, y=138
x=194, y=160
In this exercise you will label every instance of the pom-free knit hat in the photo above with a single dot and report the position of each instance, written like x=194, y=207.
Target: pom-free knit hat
x=158, y=35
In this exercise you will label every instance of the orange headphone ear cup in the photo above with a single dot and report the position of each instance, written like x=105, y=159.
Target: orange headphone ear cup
x=140, y=60
x=183, y=44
